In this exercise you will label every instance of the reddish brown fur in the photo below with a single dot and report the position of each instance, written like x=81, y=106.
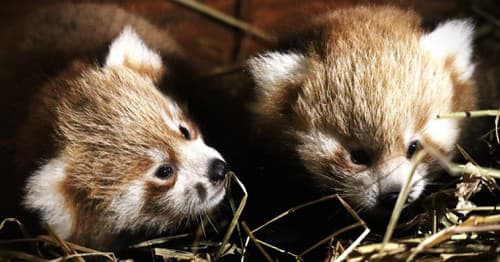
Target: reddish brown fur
x=107, y=126
x=361, y=79
x=330, y=39
x=71, y=105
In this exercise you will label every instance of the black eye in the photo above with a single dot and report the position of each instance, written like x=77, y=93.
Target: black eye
x=360, y=157
x=412, y=148
x=164, y=172
x=185, y=132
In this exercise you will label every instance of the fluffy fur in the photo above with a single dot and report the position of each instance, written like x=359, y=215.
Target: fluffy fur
x=97, y=136
x=366, y=79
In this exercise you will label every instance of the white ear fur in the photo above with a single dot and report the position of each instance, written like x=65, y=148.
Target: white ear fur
x=129, y=50
x=43, y=194
x=274, y=68
x=452, y=39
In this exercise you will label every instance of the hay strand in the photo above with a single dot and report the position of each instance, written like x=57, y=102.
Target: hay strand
x=478, y=113
x=236, y=215
x=403, y=195
x=226, y=19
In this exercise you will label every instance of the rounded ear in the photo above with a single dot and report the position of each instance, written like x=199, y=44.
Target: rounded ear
x=276, y=75
x=274, y=71
x=452, y=41
x=129, y=50
x=274, y=68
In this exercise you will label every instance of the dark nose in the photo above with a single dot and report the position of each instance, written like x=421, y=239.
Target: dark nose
x=388, y=200
x=218, y=170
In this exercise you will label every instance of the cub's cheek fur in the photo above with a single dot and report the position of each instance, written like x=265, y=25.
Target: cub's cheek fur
x=44, y=194
x=112, y=129
x=193, y=193
x=156, y=205
x=200, y=192
x=366, y=78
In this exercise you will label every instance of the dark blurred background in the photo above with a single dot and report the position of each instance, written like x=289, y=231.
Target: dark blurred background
x=211, y=43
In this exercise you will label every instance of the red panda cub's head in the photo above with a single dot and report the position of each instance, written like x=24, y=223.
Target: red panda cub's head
x=127, y=158
x=357, y=93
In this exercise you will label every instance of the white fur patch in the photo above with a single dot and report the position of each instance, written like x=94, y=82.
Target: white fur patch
x=409, y=133
x=273, y=68
x=452, y=39
x=175, y=111
x=157, y=155
x=196, y=160
x=317, y=142
x=196, y=157
x=394, y=174
x=198, y=147
x=444, y=132
x=43, y=194
x=417, y=188
x=128, y=46
x=128, y=205
x=316, y=145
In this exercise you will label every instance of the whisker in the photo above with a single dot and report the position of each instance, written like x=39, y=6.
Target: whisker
x=202, y=225
x=212, y=224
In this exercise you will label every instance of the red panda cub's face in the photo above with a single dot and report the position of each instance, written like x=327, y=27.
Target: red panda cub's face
x=128, y=159
x=359, y=96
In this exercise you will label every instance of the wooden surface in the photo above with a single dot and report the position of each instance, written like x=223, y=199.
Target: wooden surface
x=211, y=43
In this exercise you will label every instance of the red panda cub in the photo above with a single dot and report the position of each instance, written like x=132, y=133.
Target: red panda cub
x=119, y=157
x=356, y=94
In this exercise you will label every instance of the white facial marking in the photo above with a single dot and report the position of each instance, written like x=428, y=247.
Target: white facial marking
x=157, y=155
x=444, y=132
x=452, y=39
x=394, y=175
x=408, y=135
x=315, y=143
x=417, y=188
x=127, y=206
x=364, y=189
x=172, y=122
x=195, y=162
x=43, y=194
x=129, y=46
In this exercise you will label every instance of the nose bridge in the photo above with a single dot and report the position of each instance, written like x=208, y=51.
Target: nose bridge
x=392, y=173
x=197, y=157
x=207, y=151
x=213, y=153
